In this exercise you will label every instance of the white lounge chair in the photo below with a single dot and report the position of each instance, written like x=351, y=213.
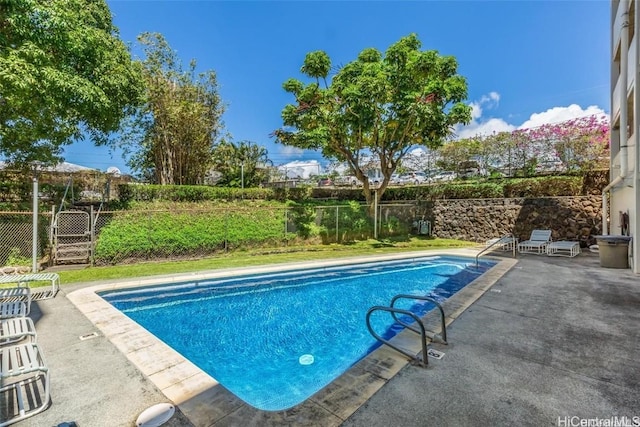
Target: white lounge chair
x=504, y=243
x=24, y=379
x=537, y=243
x=38, y=293
x=13, y=309
x=19, y=294
x=17, y=329
x=563, y=248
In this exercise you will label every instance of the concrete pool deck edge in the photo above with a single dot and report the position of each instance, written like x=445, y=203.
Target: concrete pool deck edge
x=205, y=402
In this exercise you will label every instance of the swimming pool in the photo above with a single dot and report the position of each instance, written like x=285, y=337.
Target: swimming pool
x=275, y=339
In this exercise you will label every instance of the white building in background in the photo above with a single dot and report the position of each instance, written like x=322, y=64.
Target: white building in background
x=622, y=196
x=300, y=169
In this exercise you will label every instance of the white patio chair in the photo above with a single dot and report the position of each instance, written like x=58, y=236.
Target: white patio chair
x=24, y=379
x=536, y=244
x=504, y=243
x=15, y=295
x=563, y=248
x=16, y=329
x=13, y=309
x=38, y=293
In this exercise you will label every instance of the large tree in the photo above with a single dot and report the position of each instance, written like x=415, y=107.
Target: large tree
x=243, y=163
x=375, y=107
x=171, y=137
x=64, y=75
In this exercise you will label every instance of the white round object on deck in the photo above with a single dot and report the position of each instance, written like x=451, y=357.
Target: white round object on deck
x=156, y=415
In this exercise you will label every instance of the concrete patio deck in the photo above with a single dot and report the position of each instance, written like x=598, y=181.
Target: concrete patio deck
x=553, y=339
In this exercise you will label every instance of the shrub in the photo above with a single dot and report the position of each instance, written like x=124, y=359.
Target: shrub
x=15, y=258
x=178, y=221
x=351, y=222
x=302, y=217
x=394, y=227
x=543, y=187
x=189, y=193
x=18, y=195
x=297, y=194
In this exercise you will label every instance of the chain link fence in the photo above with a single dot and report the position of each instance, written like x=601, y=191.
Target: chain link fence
x=16, y=237
x=341, y=224
x=116, y=237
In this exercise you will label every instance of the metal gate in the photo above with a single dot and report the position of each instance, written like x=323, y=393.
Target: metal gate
x=72, y=237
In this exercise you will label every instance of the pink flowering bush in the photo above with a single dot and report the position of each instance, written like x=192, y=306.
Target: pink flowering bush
x=576, y=145
x=579, y=143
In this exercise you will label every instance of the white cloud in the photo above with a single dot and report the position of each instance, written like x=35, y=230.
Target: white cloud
x=493, y=96
x=486, y=101
x=483, y=127
x=560, y=114
x=486, y=126
x=476, y=111
x=289, y=151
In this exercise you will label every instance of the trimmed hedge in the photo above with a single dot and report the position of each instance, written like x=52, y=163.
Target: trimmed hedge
x=189, y=193
x=548, y=186
x=557, y=185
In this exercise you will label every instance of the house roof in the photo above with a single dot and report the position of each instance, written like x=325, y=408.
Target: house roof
x=64, y=167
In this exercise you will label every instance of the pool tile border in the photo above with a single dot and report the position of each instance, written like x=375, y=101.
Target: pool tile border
x=205, y=402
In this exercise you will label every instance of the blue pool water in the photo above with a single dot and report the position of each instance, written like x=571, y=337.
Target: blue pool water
x=275, y=339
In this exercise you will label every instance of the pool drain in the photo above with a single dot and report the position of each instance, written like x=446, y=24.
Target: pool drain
x=306, y=359
x=435, y=354
x=88, y=336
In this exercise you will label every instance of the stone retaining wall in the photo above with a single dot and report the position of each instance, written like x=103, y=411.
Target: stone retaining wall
x=569, y=218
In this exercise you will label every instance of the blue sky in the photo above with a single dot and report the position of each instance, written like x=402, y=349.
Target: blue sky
x=526, y=62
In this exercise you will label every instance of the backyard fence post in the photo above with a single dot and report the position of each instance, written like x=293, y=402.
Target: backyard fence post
x=375, y=214
x=51, y=233
x=286, y=228
x=93, y=237
x=34, y=249
x=226, y=228
x=379, y=220
x=337, y=224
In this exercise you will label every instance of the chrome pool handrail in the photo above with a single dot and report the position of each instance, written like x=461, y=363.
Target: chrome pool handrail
x=501, y=241
x=442, y=338
x=393, y=310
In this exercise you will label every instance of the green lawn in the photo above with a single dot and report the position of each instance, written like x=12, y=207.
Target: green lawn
x=257, y=257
